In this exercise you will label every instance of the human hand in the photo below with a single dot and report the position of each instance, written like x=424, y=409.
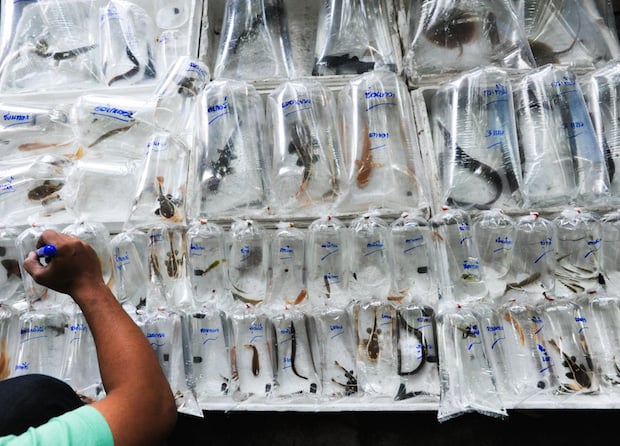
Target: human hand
x=73, y=268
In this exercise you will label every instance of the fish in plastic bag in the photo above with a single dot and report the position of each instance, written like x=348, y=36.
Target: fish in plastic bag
x=354, y=37
x=131, y=272
x=379, y=145
x=228, y=160
x=305, y=158
x=11, y=283
x=8, y=340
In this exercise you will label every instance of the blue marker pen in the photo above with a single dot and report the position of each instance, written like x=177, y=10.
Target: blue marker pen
x=46, y=251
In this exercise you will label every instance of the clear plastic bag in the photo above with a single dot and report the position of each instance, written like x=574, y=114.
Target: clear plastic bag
x=337, y=346
x=161, y=193
x=97, y=235
x=294, y=369
x=495, y=234
x=287, y=282
x=354, y=37
x=55, y=45
x=327, y=263
x=11, y=284
x=28, y=131
x=253, y=364
x=9, y=340
x=254, y=42
x=577, y=246
x=210, y=339
x=533, y=261
x=467, y=378
x=375, y=324
x=305, y=156
x=457, y=35
x=370, y=259
x=475, y=139
x=248, y=257
x=578, y=33
x=562, y=161
x=417, y=356
x=131, y=273
x=600, y=89
x=456, y=257
x=413, y=274
x=228, y=160
x=379, y=145
x=30, y=191
x=609, y=254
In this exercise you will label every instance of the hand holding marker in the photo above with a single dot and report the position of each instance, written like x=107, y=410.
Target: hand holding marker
x=46, y=251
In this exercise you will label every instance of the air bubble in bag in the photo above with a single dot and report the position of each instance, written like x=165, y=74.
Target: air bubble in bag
x=475, y=139
x=228, y=161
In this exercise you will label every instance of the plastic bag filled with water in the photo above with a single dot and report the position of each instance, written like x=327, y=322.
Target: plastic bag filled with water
x=601, y=91
x=456, y=257
x=208, y=266
x=160, y=196
x=176, y=95
x=228, y=173
x=28, y=131
x=210, y=341
x=305, y=156
x=127, y=42
x=9, y=340
x=533, y=260
x=417, y=356
x=467, y=379
x=355, y=36
x=450, y=36
x=577, y=246
x=30, y=191
x=248, y=262
x=327, y=266
x=609, y=254
x=11, y=284
x=253, y=355
x=562, y=160
x=97, y=235
x=475, y=140
x=379, y=145
x=337, y=347
x=412, y=271
x=578, y=33
x=131, y=272
x=294, y=366
x=370, y=259
x=495, y=233
x=287, y=278
x=55, y=45
x=254, y=41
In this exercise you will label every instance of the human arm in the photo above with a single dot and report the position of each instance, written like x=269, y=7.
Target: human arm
x=139, y=406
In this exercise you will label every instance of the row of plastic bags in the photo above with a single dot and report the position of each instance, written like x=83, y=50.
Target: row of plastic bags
x=197, y=148
x=545, y=138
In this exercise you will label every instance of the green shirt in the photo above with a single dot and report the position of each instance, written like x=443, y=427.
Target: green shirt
x=84, y=427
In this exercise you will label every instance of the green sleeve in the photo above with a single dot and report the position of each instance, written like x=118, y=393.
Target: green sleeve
x=84, y=427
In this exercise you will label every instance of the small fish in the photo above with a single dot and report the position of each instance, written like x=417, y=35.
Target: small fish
x=365, y=163
x=129, y=73
x=294, y=351
x=5, y=360
x=345, y=64
x=576, y=372
x=255, y=361
x=222, y=165
x=301, y=145
x=544, y=54
x=469, y=331
x=300, y=297
x=530, y=279
x=213, y=265
x=109, y=134
x=167, y=207
x=37, y=145
x=328, y=291
x=515, y=323
x=12, y=268
x=187, y=87
x=49, y=189
x=372, y=343
x=63, y=55
x=350, y=387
